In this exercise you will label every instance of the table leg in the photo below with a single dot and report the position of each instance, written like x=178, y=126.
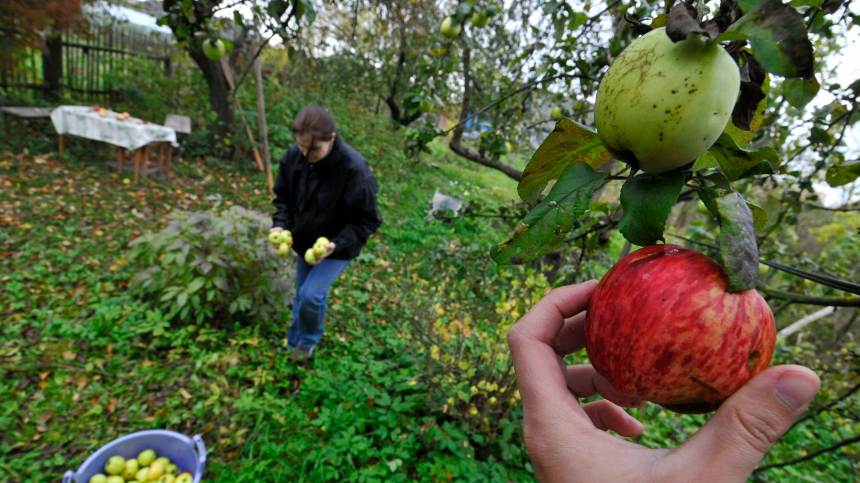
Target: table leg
x=169, y=158
x=20, y=134
x=137, y=153
x=8, y=129
x=61, y=144
x=120, y=160
x=145, y=160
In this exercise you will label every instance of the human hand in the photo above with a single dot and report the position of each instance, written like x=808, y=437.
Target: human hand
x=567, y=441
x=329, y=250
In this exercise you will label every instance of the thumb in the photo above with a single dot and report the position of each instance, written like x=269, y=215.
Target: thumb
x=747, y=424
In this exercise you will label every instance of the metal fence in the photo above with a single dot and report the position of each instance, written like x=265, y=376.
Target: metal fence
x=79, y=64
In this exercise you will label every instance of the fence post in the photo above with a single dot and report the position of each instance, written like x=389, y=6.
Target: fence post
x=52, y=66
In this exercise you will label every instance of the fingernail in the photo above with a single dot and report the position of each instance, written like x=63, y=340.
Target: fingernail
x=795, y=390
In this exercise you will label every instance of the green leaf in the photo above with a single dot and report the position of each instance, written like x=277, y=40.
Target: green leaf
x=759, y=217
x=182, y=298
x=806, y=3
x=799, y=92
x=543, y=229
x=196, y=284
x=310, y=13
x=706, y=160
x=737, y=242
x=647, y=200
x=237, y=17
x=778, y=38
x=739, y=163
x=569, y=143
x=743, y=137
x=842, y=175
x=577, y=21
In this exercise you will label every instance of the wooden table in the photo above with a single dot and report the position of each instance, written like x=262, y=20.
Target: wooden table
x=23, y=114
x=132, y=134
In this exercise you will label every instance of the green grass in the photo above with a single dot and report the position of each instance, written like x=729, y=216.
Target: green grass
x=410, y=382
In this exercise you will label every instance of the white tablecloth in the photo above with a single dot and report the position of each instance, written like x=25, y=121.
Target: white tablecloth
x=131, y=133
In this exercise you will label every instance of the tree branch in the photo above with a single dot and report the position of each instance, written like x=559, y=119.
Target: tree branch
x=801, y=299
x=810, y=456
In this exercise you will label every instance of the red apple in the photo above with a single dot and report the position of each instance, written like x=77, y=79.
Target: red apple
x=661, y=327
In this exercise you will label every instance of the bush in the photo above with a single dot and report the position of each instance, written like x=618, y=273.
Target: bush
x=208, y=266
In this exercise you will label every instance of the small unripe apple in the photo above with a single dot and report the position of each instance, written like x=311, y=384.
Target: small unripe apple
x=448, y=29
x=283, y=249
x=662, y=104
x=661, y=327
x=146, y=457
x=99, y=478
x=167, y=478
x=156, y=469
x=310, y=257
x=115, y=465
x=115, y=479
x=508, y=147
x=425, y=105
x=556, y=113
x=142, y=474
x=287, y=236
x=171, y=469
x=276, y=238
x=480, y=19
x=214, y=49
x=163, y=460
x=130, y=470
x=185, y=477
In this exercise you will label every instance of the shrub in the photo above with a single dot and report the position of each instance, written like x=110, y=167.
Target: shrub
x=209, y=265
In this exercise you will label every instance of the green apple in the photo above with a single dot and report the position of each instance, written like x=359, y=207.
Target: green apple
x=167, y=478
x=480, y=19
x=508, y=147
x=662, y=104
x=287, y=236
x=171, y=469
x=99, y=478
x=276, y=237
x=319, y=250
x=115, y=479
x=556, y=114
x=425, y=106
x=283, y=249
x=142, y=474
x=156, y=469
x=184, y=478
x=164, y=460
x=146, y=457
x=115, y=465
x=214, y=49
x=310, y=257
x=131, y=468
x=448, y=29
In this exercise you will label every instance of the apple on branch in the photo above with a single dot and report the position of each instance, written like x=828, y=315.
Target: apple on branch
x=661, y=327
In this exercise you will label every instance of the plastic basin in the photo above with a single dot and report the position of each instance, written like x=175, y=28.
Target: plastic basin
x=186, y=453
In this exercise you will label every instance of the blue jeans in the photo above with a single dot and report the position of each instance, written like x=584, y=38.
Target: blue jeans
x=309, y=304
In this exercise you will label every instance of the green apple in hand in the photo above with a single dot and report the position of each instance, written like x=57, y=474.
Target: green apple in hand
x=184, y=478
x=115, y=465
x=276, y=238
x=146, y=457
x=99, y=478
x=320, y=246
x=283, y=249
x=310, y=257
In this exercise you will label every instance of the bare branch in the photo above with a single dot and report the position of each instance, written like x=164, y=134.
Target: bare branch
x=801, y=299
x=810, y=456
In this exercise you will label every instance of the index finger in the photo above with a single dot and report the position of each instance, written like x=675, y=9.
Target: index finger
x=539, y=370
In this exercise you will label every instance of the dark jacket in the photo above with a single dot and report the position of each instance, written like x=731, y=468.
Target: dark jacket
x=334, y=197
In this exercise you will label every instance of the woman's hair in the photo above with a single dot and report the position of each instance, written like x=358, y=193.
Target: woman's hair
x=315, y=121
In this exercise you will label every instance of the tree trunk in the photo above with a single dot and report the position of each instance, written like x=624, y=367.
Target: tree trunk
x=52, y=67
x=456, y=144
x=219, y=100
